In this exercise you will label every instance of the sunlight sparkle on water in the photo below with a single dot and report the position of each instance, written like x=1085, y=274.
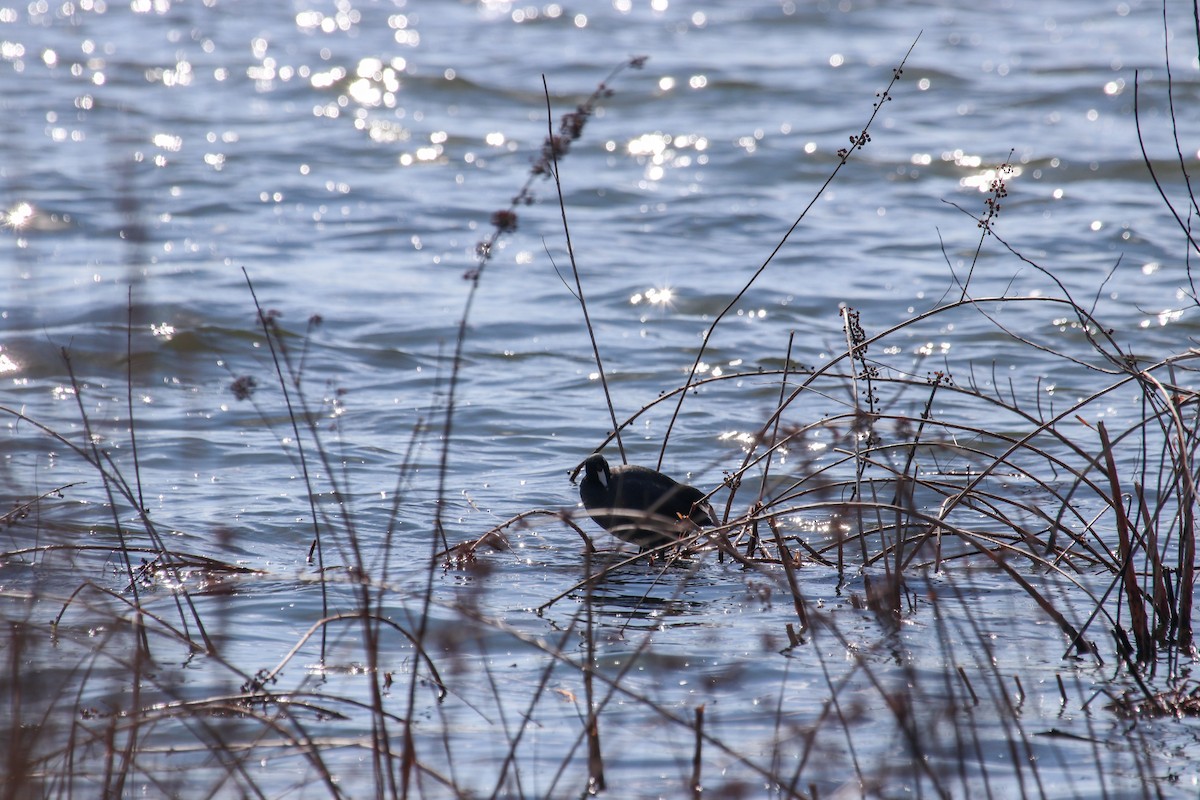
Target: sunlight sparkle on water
x=961, y=159
x=741, y=437
x=662, y=150
x=1163, y=318
x=167, y=141
x=146, y=6
x=649, y=144
x=984, y=180
x=326, y=79
x=343, y=20
x=18, y=216
x=376, y=83
x=659, y=297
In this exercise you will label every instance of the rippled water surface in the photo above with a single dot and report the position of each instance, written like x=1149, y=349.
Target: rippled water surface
x=347, y=158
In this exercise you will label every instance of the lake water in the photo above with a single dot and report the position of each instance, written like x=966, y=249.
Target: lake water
x=348, y=158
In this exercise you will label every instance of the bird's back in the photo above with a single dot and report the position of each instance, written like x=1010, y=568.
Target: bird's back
x=641, y=505
x=647, y=490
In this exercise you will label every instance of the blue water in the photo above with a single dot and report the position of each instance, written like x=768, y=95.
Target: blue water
x=347, y=158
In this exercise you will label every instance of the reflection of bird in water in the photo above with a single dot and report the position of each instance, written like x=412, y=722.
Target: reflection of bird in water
x=639, y=505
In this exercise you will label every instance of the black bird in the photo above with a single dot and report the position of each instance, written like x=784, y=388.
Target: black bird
x=639, y=505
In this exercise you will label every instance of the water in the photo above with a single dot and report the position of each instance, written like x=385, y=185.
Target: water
x=349, y=158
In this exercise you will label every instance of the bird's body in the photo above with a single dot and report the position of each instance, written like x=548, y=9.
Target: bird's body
x=640, y=505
